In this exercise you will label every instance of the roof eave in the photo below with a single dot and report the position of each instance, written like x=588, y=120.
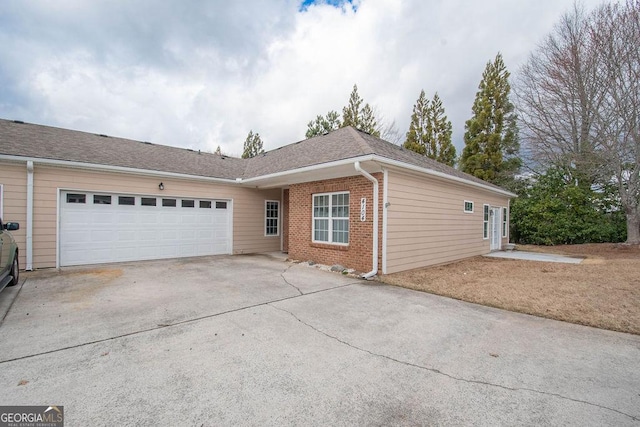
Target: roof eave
x=110, y=168
x=399, y=164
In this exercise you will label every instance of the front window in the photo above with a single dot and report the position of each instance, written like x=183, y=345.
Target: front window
x=331, y=218
x=272, y=215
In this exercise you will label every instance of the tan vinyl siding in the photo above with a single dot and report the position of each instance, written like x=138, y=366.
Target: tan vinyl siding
x=13, y=178
x=426, y=222
x=247, y=204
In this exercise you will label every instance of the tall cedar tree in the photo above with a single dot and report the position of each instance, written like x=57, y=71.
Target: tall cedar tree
x=252, y=145
x=430, y=131
x=362, y=118
x=323, y=124
x=353, y=114
x=491, y=136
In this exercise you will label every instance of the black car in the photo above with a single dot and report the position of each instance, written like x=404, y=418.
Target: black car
x=8, y=255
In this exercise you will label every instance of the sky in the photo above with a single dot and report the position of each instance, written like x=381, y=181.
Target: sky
x=202, y=74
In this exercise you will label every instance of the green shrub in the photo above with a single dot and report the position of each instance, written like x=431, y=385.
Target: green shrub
x=552, y=211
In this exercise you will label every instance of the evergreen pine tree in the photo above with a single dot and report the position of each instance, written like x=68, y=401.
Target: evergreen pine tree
x=491, y=137
x=368, y=122
x=218, y=151
x=323, y=124
x=442, y=148
x=417, y=135
x=351, y=112
x=252, y=145
x=430, y=131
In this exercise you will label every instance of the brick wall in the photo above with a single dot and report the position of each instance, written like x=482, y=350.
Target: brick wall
x=358, y=254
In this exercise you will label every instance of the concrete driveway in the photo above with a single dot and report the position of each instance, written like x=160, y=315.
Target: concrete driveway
x=250, y=340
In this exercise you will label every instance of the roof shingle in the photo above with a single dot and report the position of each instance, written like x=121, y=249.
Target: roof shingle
x=45, y=142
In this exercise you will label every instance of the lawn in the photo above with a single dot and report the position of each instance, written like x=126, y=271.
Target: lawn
x=603, y=291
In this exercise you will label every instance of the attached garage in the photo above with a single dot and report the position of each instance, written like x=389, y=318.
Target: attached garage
x=100, y=227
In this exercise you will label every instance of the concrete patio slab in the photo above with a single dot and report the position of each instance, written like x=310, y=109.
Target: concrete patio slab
x=534, y=256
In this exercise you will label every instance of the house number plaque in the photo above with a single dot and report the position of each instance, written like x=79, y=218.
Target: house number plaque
x=363, y=209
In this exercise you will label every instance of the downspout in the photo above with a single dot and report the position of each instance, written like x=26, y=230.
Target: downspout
x=29, y=266
x=364, y=173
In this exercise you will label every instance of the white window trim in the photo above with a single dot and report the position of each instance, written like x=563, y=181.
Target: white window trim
x=464, y=206
x=486, y=208
x=330, y=218
x=505, y=222
x=266, y=202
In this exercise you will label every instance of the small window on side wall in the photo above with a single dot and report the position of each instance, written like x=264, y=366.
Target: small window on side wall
x=468, y=206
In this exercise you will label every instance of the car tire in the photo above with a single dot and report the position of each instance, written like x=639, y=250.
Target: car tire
x=15, y=271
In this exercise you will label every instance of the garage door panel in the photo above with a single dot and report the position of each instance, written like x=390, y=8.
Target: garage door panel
x=97, y=233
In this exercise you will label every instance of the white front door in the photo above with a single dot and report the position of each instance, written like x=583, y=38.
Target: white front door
x=494, y=229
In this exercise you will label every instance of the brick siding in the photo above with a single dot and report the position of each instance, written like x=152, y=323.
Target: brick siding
x=358, y=254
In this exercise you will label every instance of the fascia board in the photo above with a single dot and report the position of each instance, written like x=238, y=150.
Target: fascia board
x=109, y=168
x=311, y=168
x=403, y=165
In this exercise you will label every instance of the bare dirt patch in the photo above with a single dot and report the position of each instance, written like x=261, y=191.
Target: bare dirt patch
x=603, y=291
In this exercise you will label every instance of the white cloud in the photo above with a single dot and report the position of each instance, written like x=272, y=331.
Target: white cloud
x=203, y=74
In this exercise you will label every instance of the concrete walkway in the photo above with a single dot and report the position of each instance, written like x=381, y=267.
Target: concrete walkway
x=534, y=256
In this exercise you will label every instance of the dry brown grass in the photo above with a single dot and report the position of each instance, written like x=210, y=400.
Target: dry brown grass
x=603, y=291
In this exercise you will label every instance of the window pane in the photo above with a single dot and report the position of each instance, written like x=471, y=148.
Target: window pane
x=340, y=231
x=76, y=198
x=126, y=200
x=468, y=206
x=101, y=200
x=205, y=204
x=321, y=232
x=221, y=205
x=188, y=203
x=170, y=203
x=148, y=201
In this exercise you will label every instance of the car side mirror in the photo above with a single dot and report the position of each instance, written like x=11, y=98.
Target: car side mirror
x=12, y=226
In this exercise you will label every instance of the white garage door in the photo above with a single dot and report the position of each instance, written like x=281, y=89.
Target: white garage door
x=101, y=227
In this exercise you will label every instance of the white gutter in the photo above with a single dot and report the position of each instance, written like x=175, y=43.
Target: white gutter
x=441, y=175
x=109, y=168
x=311, y=168
x=368, y=157
x=29, y=266
x=375, y=233
x=385, y=208
x=379, y=159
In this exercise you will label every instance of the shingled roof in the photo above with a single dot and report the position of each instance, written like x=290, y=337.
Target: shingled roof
x=344, y=143
x=45, y=142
